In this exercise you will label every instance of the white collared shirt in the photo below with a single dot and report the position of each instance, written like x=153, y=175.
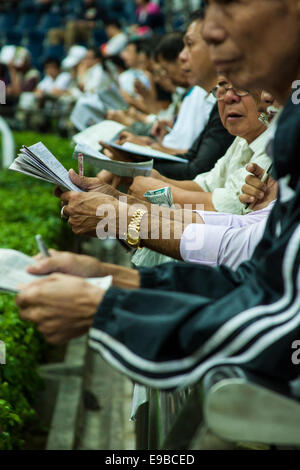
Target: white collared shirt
x=228, y=176
x=191, y=120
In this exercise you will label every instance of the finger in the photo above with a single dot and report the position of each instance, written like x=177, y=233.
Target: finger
x=105, y=145
x=46, y=266
x=28, y=296
x=251, y=191
x=65, y=197
x=256, y=170
x=255, y=182
x=58, y=192
x=116, y=181
x=80, y=181
x=245, y=199
x=33, y=314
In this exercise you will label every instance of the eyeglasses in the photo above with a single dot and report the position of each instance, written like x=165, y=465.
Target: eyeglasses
x=220, y=91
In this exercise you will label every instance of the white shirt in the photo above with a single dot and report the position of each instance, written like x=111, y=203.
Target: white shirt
x=127, y=80
x=226, y=239
x=96, y=79
x=192, y=118
x=227, y=177
x=48, y=84
x=116, y=44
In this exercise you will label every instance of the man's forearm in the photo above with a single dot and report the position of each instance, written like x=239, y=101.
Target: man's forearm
x=183, y=197
x=124, y=278
x=163, y=233
x=186, y=185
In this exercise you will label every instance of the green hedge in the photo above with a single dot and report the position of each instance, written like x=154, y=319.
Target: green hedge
x=27, y=207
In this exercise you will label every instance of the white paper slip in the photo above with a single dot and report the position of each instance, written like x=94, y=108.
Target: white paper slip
x=146, y=152
x=37, y=161
x=103, y=283
x=102, y=162
x=105, y=130
x=13, y=272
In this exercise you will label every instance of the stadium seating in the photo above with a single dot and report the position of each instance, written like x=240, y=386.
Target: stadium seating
x=8, y=21
x=50, y=20
x=27, y=21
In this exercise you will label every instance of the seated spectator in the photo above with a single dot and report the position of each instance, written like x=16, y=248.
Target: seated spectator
x=117, y=39
x=92, y=77
x=149, y=14
x=23, y=77
x=197, y=104
x=128, y=79
x=78, y=30
x=55, y=82
x=219, y=188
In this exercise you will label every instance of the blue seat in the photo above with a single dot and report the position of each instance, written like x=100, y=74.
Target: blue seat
x=27, y=21
x=49, y=21
x=99, y=37
x=57, y=51
x=7, y=21
x=14, y=38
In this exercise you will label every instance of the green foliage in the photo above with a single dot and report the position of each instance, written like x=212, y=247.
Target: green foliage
x=27, y=207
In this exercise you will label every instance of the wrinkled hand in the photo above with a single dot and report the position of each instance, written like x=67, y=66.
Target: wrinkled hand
x=67, y=263
x=256, y=193
x=61, y=306
x=142, y=184
x=96, y=185
x=87, y=213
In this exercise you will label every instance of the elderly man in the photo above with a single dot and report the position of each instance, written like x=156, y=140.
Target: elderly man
x=181, y=320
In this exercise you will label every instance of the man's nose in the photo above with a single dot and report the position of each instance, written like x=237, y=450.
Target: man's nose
x=231, y=97
x=183, y=55
x=213, y=31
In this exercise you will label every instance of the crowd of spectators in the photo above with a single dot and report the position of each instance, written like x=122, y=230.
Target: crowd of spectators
x=165, y=324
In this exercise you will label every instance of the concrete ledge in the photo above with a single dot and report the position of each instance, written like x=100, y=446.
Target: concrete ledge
x=66, y=416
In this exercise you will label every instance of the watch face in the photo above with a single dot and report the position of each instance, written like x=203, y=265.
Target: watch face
x=133, y=234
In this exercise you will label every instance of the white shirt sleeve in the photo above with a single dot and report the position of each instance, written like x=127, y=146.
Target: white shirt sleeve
x=63, y=81
x=226, y=239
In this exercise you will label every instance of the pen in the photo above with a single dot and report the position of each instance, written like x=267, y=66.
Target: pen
x=80, y=164
x=42, y=246
x=265, y=176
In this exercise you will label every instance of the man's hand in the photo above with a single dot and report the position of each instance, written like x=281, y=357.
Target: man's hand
x=67, y=263
x=62, y=306
x=95, y=184
x=159, y=129
x=257, y=193
x=84, y=266
x=126, y=136
x=87, y=210
x=141, y=184
x=115, y=154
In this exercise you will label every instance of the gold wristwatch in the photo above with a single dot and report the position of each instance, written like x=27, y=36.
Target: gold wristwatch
x=133, y=238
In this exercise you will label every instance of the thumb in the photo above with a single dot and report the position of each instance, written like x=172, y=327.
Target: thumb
x=80, y=181
x=256, y=170
x=44, y=266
